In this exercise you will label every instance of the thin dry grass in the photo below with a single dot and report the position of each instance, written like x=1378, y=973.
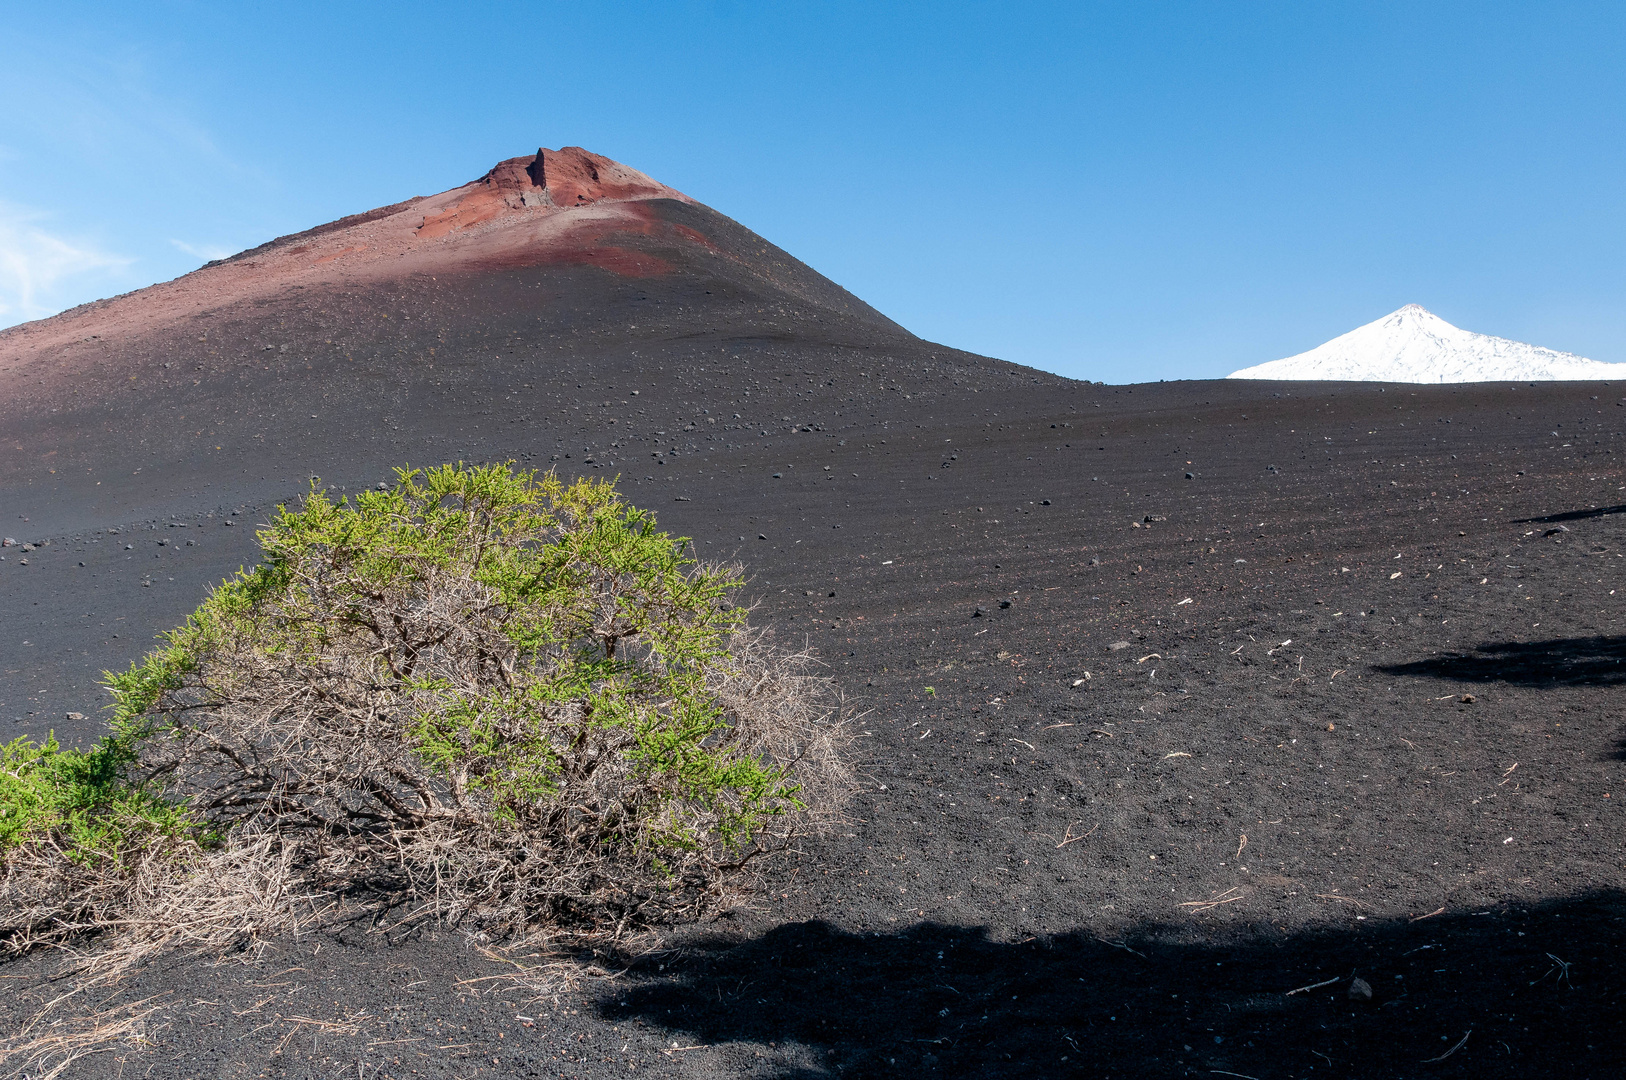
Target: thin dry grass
x=107, y=920
x=46, y=1055
x=232, y=898
x=541, y=968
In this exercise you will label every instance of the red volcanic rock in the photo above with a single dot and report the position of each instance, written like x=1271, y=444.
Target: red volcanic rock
x=572, y=176
x=553, y=179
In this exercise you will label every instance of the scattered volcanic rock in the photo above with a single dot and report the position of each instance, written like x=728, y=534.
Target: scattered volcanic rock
x=1413, y=345
x=1050, y=871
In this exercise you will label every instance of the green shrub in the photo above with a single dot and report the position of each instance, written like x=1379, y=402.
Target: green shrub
x=505, y=697
x=83, y=845
x=79, y=802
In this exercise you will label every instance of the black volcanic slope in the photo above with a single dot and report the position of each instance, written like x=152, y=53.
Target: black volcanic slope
x=1271, y=684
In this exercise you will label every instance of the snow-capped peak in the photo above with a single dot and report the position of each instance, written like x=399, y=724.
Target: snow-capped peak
x=1414, y=345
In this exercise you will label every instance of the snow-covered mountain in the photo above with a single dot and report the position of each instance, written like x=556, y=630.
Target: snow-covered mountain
x=1416, y=346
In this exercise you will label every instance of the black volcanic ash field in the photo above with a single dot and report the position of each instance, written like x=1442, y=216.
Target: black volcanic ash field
x=1209, y=740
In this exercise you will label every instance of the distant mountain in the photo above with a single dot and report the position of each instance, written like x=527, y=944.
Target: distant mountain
x=1413, y=345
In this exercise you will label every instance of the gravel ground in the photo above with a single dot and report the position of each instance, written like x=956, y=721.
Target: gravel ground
x=1177, y=697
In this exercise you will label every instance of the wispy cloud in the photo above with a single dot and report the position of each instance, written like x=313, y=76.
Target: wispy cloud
x=206, y=252
x=39, y=270
x=105, y=149
x=84, y=101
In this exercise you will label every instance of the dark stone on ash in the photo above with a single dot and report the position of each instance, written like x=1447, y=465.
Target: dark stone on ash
x=528, y=322
x=1004, y=604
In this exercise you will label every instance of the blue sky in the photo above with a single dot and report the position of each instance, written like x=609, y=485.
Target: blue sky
x=1110, y=191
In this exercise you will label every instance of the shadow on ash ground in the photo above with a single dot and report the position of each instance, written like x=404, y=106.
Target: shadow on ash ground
x=947, y=999
x=1527, y=988
x=1262, y=788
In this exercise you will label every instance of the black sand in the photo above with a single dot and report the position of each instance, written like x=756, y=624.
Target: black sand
x=1070, y=859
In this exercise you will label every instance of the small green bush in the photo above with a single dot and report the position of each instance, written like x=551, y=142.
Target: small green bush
x=79, y=839
x=79, y=802
x=502, y=696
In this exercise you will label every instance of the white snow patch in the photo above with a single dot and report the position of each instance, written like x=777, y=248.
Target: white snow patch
x=1413, y=345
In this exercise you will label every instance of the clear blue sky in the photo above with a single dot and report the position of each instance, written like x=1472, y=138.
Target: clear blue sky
x=1110, y=191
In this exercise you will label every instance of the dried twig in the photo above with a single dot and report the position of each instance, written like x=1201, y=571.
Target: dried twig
x=1215, y=901
x=321, y=797
x=1448, y=1053
x=1362, y=904
x=556, y=971
x=1561, y=967
x=1314, y=986
x=1069, y=838
x=350, y=1025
